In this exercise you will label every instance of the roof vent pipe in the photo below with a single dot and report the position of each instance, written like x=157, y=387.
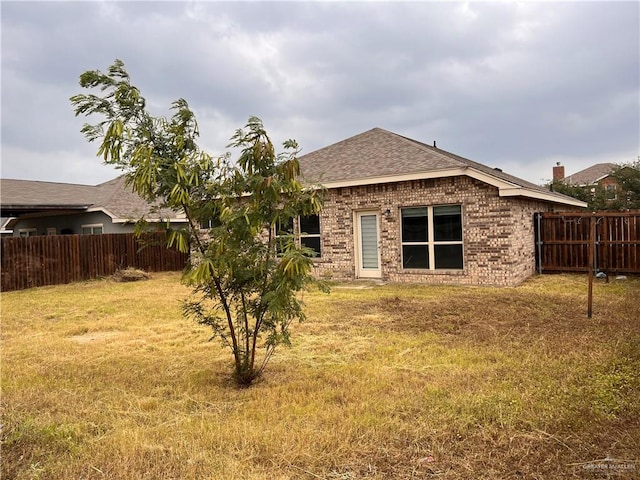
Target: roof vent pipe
x=434, y=144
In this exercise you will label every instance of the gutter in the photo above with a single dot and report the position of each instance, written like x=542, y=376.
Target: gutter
x=505, y=188
x=116, y=219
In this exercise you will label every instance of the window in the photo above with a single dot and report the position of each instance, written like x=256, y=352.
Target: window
x=51, y=231
x=284, y=234
x=305, y=232
x=310, y=232
x=208, y=221
x=415, y=238
x=27, y=232
x=432, y=237
x=92, y=229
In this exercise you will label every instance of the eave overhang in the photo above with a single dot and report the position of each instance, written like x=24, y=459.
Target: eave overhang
x=55, y=211
x=21, y=209
x=179, y=217
x=505, y=188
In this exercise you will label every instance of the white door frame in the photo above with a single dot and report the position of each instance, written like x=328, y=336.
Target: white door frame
x=361, y=271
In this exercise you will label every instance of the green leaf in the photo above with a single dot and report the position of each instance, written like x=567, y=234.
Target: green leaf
x=240, y=287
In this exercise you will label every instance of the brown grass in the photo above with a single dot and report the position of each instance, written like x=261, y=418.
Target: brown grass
x=107, y=380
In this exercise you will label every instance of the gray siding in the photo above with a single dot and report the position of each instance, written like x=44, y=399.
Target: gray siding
x=72, y=224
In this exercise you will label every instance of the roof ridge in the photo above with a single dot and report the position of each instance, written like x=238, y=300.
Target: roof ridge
x=113, y=180
x=377, y=154
x=493, y=171
x=457, y=158
x=115, y=185
x=48, y=182
x=591, y=174
x=432, y=149
x=344, y=140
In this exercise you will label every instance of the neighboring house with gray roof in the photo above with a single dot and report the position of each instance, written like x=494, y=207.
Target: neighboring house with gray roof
x=400, y=210
x=48, y=208
x=594, y=179
x=593, y=175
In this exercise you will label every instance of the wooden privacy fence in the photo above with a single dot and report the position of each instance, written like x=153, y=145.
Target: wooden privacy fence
x=563, y=241
x=57, y=259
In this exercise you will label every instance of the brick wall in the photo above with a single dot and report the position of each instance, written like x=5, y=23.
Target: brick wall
x=498, y=233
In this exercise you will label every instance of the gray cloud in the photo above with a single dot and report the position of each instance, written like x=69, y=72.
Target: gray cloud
x=515, y=85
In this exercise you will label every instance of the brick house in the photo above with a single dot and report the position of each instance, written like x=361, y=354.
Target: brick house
x=399, y=210
x=597, y=175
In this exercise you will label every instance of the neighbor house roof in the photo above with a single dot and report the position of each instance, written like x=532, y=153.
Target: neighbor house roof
x=25, y=196
x=115, y=198
x=591, y=175
x=379, y=156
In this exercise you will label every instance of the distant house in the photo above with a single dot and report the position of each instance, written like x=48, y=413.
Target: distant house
x=46, y=208
x=593, y=175
x=597, y=175
x=400, y=210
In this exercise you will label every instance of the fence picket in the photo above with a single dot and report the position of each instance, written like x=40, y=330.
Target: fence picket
x=57, y=259
x=564, y=238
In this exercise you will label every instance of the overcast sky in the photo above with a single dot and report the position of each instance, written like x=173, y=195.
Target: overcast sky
x=518, y=86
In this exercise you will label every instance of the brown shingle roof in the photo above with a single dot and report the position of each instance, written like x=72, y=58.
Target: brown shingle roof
x=27, y=193
x=591, y=175
x=374, y=153
x=119, y=199
x=378, y=153
x=114, y=197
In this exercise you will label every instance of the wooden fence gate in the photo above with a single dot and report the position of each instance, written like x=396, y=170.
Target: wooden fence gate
x=57, y=259
x=564, y=240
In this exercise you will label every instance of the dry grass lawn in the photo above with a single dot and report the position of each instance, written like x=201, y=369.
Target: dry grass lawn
x=106, y=380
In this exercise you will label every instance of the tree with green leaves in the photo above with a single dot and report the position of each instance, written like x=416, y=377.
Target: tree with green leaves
x=627, y=176
x=244, y=273
x=570, y=190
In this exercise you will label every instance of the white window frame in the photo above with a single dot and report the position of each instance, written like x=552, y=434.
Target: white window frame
x=318, y=235
x=431, y=243
x=298, y=235
x=92, y=226
x=27, y=232
x=52, y=231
